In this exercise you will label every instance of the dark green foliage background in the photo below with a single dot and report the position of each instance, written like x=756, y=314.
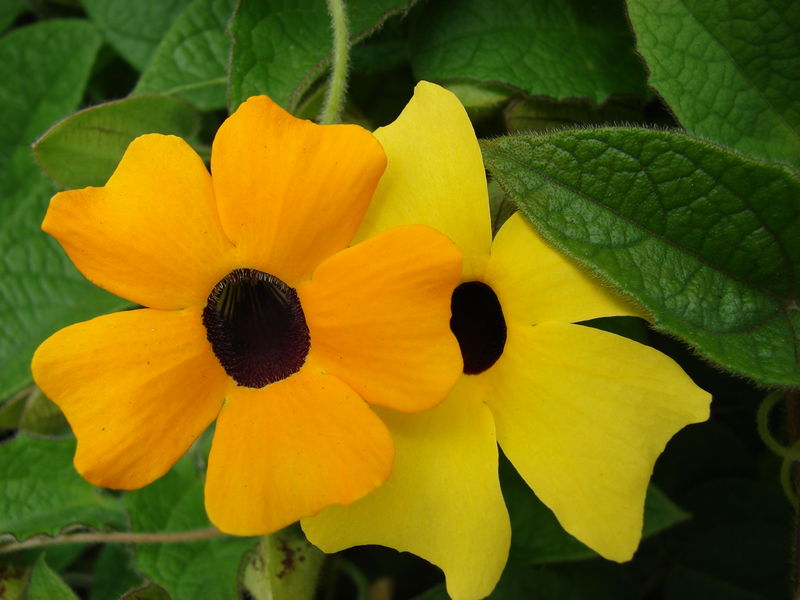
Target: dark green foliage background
x=655, y=142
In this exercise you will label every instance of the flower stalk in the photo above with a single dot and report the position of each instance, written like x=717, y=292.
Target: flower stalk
x=118, y=537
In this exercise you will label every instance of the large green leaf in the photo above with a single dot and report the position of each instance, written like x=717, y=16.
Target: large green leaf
x=705, y=239
x=84, y=148
x=42, y=492
x=191, y=61
x=545, y=47
x=45, y=584
x=40, y=291
x=134, y=28
x=201, y=569
x=281, y=47
x=729, y=69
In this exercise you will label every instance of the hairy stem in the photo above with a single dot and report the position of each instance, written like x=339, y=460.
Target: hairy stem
x=337, y=86
x=113, y=537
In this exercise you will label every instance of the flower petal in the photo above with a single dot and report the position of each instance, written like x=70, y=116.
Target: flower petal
x=442, y=501
x=379, y=316
x=152, y=234
x=434, y=176
x=583, y=414
x=536, y=283
x=290, y=192
x=289, y=449
x=137, y=387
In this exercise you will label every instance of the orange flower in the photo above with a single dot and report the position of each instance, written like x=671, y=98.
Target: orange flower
x=258, y=315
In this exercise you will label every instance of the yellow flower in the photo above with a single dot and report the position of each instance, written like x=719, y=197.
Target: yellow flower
x=581, y=413
x=258, y=315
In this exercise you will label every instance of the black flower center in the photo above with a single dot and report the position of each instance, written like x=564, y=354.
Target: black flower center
x=256, y=327
x=478, y=324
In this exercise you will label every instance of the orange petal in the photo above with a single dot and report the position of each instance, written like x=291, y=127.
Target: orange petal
x=289, y=449
x=379, y=317
x=137, y=387
x=152, y=234
x=291, y=192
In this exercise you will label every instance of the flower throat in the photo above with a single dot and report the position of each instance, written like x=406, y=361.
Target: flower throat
x=256, y=327
x=479, y=325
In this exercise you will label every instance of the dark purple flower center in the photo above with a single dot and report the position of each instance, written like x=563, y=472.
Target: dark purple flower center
x=478, y=324
x=256, y=327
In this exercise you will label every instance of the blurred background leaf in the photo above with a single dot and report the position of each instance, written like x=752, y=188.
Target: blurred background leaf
x=85, y=148
x=201, y=569
x=281, y=49
x=192, y=58
x=41, y=290
x=42, y=493
x=729, y=70
x=574, y=49
x=134, y=29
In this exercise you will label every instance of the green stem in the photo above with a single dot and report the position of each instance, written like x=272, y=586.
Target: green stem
x=118, y=537
x=762, y=424
x=337, y=86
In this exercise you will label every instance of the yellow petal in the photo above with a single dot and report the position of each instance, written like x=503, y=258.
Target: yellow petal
x=442, y=501
x=290, y=192
x=536, y=283
x=152, y=234
x=137, y=387
x=289, y=449
x=583, y=414
x=379, y=317
x=434, y=176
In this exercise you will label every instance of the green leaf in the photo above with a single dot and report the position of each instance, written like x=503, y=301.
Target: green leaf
x=45, y=584
x=191, y=61
x=281, y=48
x=201, y=569
x=597, y=580
x=134, y=29
x=41, y=290
x=85, y=148
x=705, y=239
x=9, y=11
x=545, y=47
x=729, y=70
x=42, y=492
x=737, y=545
x=481, y=100
x=41, y=416
x=148, y=592
x=113, y=573
x=500, y=206
x=539, y=539
x=529, y=115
